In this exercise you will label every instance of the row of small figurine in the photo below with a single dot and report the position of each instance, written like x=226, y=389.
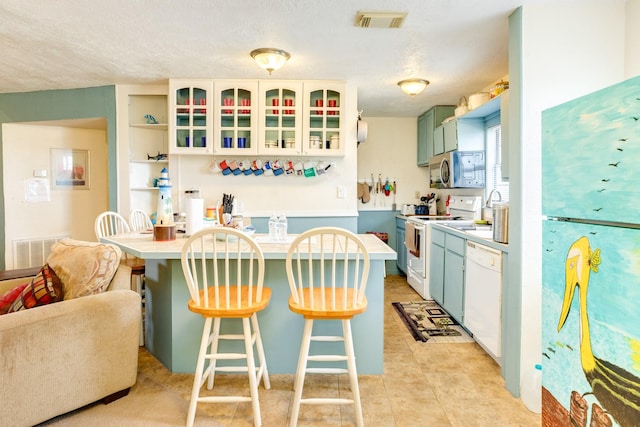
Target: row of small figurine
x=272, y=167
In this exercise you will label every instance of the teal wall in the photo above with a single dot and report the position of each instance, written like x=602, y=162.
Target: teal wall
x=385, y=222
x=95, y=102
x=297, y=225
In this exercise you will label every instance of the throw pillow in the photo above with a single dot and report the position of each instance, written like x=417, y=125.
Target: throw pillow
x=45, y=288
x=85, y=268
x=9, y=297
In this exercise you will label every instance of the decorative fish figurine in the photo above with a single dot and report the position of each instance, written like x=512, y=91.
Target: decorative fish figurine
x=150, y=119
x=160, y=156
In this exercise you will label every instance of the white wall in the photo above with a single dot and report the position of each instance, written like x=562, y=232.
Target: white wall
x=391, y=151
x=569, y=49
x=69, y=212
x=632, y=53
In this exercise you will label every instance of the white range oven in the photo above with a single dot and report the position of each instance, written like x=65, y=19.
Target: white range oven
x=418, y=238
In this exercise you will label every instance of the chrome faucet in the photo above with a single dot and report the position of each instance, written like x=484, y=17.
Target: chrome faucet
x=488, y=203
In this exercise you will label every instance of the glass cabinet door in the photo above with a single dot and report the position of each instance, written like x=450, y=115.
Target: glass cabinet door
x=324, y=119
x=191, y=117
x=235, y=116
x=280, y=117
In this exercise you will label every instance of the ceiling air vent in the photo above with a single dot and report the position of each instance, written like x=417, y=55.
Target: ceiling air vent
x=380, y=19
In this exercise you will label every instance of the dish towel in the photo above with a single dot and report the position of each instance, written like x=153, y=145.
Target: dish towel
x=410, y=240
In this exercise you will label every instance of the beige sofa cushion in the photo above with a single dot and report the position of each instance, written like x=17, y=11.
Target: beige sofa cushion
x=85, y=268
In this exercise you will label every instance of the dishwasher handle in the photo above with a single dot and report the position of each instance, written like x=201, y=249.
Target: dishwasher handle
x=484, y=256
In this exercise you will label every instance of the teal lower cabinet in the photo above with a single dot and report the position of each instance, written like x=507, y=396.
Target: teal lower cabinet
x=454, y=276
x=446, y=272
x=401, y=250
x=436, y=266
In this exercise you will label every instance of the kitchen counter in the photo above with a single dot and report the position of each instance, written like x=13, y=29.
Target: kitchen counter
x=469, y=236
x=173, y=332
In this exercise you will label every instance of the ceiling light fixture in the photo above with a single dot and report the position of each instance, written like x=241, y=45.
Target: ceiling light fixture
x=413, y=86
x=270, y=58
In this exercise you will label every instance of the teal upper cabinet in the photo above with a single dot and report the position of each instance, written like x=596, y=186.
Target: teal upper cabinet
x=462, y=134
x=427, y=124
x=423, y=155
x=450, y=131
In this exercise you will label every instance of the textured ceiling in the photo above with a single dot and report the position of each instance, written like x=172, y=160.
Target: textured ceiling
x=459, y=45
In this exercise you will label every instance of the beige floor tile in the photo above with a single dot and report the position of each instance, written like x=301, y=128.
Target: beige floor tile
x=423, y=384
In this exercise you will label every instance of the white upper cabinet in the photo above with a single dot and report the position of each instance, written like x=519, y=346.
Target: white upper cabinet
x=236, y=117
x=324, y=118
x=280, y=117
x=257, y=117
x=190, y=116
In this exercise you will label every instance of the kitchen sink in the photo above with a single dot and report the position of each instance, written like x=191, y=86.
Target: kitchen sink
x=482, y=231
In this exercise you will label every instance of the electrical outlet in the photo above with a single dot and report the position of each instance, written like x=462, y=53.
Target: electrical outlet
x=417, y=195
x=341, y=192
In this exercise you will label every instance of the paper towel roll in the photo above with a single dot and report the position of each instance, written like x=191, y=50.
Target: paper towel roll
x=194, y=211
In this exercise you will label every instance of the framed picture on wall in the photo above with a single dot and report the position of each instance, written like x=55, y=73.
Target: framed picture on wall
x=69, y=169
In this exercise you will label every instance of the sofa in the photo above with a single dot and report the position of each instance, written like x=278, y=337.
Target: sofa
x=58, y=357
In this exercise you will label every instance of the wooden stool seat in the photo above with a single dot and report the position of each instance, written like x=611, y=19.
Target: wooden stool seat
x=136, y=264
x=235, y=310
x=317, y=311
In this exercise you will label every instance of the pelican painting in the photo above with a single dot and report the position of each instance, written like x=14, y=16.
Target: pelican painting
x=617, y=390
x=590, y=197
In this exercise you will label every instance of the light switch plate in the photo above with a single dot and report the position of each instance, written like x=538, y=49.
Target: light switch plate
x=341, y=192
x=40, y=173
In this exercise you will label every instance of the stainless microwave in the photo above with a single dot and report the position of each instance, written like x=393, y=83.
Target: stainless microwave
x=458, y=169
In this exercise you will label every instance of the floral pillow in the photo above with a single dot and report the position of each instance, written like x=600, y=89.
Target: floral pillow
x=45, y=288
x=85, y=268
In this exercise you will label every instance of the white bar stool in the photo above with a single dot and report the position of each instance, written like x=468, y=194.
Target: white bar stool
x=328, y=285
x=224, y=271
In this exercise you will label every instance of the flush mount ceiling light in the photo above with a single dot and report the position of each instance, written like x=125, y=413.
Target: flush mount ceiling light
x=270, y=58
x=413, y=86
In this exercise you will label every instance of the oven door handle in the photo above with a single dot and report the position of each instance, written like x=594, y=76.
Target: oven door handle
x=417, y=227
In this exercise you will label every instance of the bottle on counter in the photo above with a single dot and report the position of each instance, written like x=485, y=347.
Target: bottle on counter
x=282, y=227
x=272, y=227
x=531, y=389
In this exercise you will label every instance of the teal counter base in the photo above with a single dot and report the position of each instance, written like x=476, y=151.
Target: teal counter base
x=173, y=332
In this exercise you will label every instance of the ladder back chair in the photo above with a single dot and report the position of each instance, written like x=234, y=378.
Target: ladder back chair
x=110, y=224
x=224, y=271
x=139, y=220
x=327, y=269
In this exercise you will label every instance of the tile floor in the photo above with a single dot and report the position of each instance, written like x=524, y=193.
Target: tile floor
x=423, y=385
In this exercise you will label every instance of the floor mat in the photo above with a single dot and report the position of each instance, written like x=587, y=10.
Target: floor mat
x=428, y=322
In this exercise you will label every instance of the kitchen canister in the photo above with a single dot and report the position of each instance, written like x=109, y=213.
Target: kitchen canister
x=408, y=209
x=501, y=222
x=462, y=107
x=477, y=99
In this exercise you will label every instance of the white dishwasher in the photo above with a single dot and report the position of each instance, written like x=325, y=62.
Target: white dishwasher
x=483, y=297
